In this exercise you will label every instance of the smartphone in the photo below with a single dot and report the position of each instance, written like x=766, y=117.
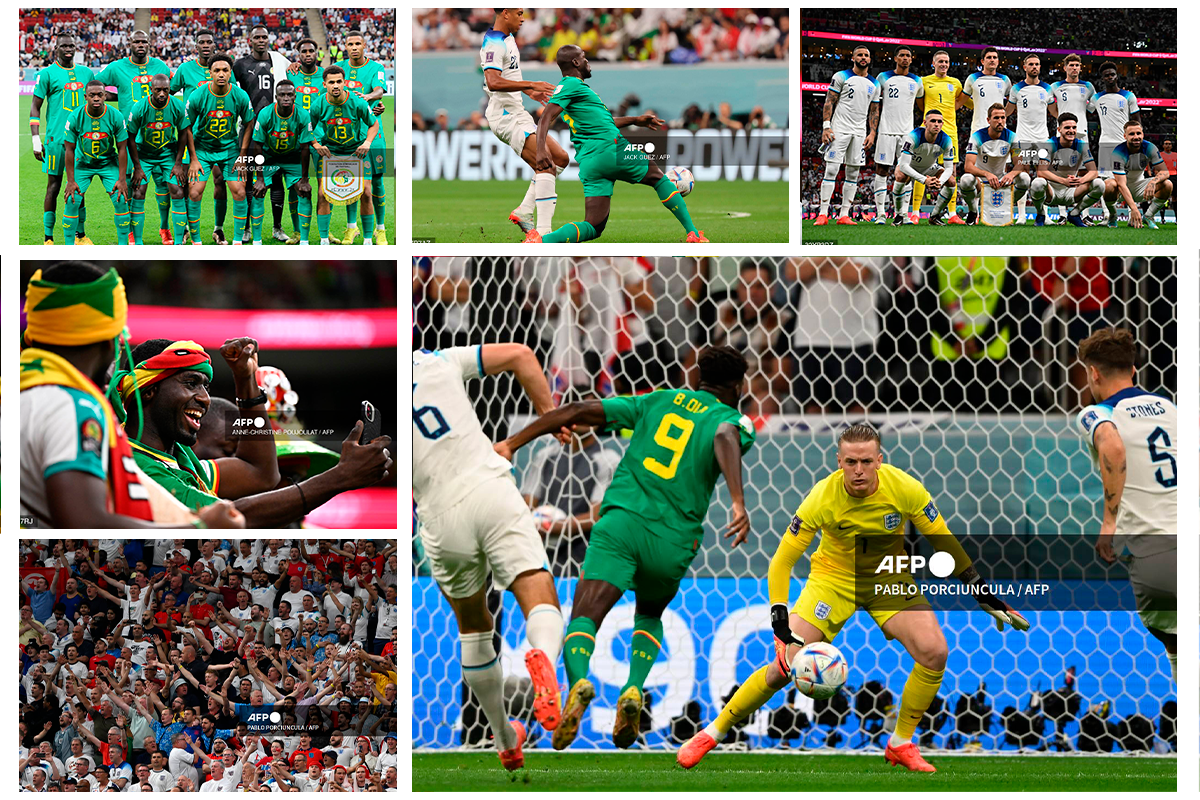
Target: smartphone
x=369, y=415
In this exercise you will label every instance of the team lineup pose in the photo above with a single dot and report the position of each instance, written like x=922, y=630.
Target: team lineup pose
x=927, y=160
x=988, y=153
x=1058, y=177
x=255, y=74
x=154, y=124
x=945, y=94
x=848, y=123
x=898, y=91
x=1128, y=160
x=365, y=78
x=94, y=141
x=282, y=132
x=190, y=76
x=343, y=126
x=1031, y=100
x=62, y=87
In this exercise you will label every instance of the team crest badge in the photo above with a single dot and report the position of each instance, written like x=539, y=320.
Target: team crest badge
x=891, y=521
x=931, y=511
x=822, y=610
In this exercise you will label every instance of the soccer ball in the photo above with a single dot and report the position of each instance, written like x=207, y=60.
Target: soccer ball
x=545, y=516
x=819, y=670
x=682, y=178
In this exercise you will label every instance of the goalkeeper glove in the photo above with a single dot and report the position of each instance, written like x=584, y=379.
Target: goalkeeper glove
x=779, y=624
x=37, y=143
x=996, y=608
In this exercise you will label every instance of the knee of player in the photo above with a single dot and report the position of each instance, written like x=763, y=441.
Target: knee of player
x=1164, y=189
x=931, y=652
x=967, y=182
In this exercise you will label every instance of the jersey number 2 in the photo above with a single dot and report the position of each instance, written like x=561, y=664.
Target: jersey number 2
x=1157, y=437
x=667, y=437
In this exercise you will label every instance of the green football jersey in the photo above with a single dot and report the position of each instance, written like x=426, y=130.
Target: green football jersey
x=282, y=134
x=156, y=129
x=62, y=91
x=670, y=468
x=189, y=77
x=95, y=138
x=308, y=87
x=214, y=119
x=131, y=80
x=192, y=481
x=341, y=127
x=363, y=80
x=584, y=112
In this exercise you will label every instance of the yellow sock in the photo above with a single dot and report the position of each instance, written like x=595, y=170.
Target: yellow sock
x=749, y=697
x=918, y=195
x=953, y=206
x=919, y=690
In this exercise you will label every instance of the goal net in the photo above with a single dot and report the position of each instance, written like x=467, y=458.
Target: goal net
x=967, y=367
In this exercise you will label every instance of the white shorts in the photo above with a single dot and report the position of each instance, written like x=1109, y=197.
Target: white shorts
x=1155, y=582
x=1058, y=193
x=1138, y=188
x=887, y=148
x=512, y=128
x=847, y=149
x=490, y=529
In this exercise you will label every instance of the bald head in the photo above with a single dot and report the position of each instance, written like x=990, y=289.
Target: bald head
x=572, y=62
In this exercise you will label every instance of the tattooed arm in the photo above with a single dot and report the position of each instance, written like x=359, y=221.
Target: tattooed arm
x=831, y=100
x=1111, y=452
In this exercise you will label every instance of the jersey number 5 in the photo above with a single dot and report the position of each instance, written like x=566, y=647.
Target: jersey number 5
x=1157, y=437
x=666, y=437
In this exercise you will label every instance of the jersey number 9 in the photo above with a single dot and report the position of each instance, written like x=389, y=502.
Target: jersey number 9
x=666, y=437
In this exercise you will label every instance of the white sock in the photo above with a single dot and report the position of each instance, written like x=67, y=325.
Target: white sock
x=850, y=181
x=527, y=206
x=1174, y=659
x=901, y=194
x=881, y=195
x=1153, y=208
x=481, y=671
x=379, y=226
x=711, y=730
x=1089, y=199
x=546, y=202
x=1062, y=211
x=544, y=630
x=1111, y=205
x=1038, y=193
x=896, y=741
x=826, y=195
x=367, y=241
x=324, y=241
x=303, y=243
x=943, y=199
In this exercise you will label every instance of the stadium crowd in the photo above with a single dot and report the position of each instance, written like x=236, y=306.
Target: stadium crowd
x=208, y=665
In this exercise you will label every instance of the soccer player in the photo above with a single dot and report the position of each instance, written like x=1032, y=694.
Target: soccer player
x=153, y=124
x=865, y=503
x=94, y=140
x=1115, y=106
x=509, y=122
x=192, y=75
x=212, y=114
x=945, y=94
x=1127, y=162
x=281, y=134
x=652, y=517
x=1132, y=437
x=988, y=152
x=472, y=520
x=343, y=126
x=848, y=123
x=307, y=74
x=985, y=88
x=926, y=160
x=255, y=73
x=1031, y=100
x=366, y=79
x=1071, y=96
x=1058, y=177
x=61, y=85
x=898, y=90
x=131, y=78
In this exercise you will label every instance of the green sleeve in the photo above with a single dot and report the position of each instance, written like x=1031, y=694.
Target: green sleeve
x=176, y=81
x=746, y=431
x=244, y=99
x=43, y=84
x=191, y=109
x=622, y=412
x=304, y=136
x=120, y=133
x=564, y=93
x=166, y=478
x=133, y=121
x=69, y=127
x=258, y=135
x=104, y=77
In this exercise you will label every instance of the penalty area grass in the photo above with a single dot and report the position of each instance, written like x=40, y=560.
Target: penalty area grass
x=1027, y=234
x=741, y=772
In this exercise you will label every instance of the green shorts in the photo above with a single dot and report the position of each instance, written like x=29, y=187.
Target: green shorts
x=226, y=163
x=52, y=157
x=107, y=173
x=626, y=552
x=158, y=169
x=290, y=173
x=601, y=164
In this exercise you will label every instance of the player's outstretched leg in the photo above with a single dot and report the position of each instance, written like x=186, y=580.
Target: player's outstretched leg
x=646, y=642
x=828, y=184
x=544, y=631
x=918, y=630
x=514, y=758
x=522, y=215
x=672, y=200
x=595, y=211
x=594, y=598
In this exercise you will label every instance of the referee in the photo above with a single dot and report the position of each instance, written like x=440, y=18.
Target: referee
x=257, y=74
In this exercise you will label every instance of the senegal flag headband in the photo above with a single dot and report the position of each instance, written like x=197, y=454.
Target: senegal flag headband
x=176, y=357
x=75, y=314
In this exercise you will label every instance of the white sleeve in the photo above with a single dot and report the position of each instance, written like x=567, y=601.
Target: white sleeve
x=1133, y=106
x=904, y=164
x=467, y=360
x=605, y=464
x=493, y=54
x=1089, y=419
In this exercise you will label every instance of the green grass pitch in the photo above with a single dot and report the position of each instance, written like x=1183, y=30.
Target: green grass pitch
x=1028, y=234
x=100, y=226
x=745, y=772
x=477, y=211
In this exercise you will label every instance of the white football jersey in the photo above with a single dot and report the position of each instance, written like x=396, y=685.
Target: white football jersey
x=992, y=155
x=451, y=453
x=924, y=154
x=984, y=91
x=1114, y=109
x=1146, y=423
x=855, y=95
x=1031, y=100
x=899, y=94
x=1065, y=160
x=1073, y=98
x=500, y=52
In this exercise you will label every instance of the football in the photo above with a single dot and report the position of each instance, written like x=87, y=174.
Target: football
x=682, y=178
x=819, y=670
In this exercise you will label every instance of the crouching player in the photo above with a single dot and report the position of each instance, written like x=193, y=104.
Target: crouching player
x=1128, y=161
x=919, y=162
x=153, y=125
x=343, y=126
x=864, y=504
x=281, y=135
x=988, y=153
x=95, y=147
x=1058, y=179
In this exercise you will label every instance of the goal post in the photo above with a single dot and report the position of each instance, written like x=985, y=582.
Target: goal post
x=966, y=366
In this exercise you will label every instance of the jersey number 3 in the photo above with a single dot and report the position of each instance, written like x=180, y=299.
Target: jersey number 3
x=666, y=436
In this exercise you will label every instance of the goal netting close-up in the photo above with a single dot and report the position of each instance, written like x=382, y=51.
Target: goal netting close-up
x=965, y=365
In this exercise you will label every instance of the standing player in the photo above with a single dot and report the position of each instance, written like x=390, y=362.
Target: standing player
x=652, y=517
x=988, y=152
x=511, y=123
x=847, y=131
x=94, y=140
x=61, y=85
x=1132, y=436
x=366, y=79
x=1072, y=96
x=153, y=125
x=1127, y=162
x=898, y=92
x=1058, y=177
x=864, y=504
x=1115, y=106
x=212, y=115
x=282, y=132
x=257, y=73
x=603, y=154
x=1031, y=100
x=927, y=160
x=472, y=520
x=985, y=88
x=343, y=126
x=307, y=74
x=192, y=75
x=131, y=77
x=945, y=94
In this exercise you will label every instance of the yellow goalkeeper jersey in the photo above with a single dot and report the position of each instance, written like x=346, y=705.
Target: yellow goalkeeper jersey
x=941, y=93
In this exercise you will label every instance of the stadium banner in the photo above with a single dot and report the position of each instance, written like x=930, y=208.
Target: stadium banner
x=857, y=38
x=717, y=631
x=995, y=207
x=711, y=155
x=29, y=573
x=342, y=180
x=1165, y=102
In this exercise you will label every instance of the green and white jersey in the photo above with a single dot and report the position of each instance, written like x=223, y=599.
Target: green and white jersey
x=62, y=429
x=192, y=481
x=131, y=80
x=584, y=112
x=362, y=80
x=214, y=119
x=189, y=77
x=95, y=138
x=282, y=134
x=343, y=126
x=62, y=91
x=155, y=129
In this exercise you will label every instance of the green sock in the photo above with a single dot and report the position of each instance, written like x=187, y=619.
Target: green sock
x=137, y=218
x=121, y=219
x=647, y=641
x=293, y=204
x=164, y=209
x=571, y=233
x=256, y=216
x=578, y=646
x=323, y=225
x=239, y=219
x=221, y=204
x=673, y=200
x=380, y=202
x=304, y=211
x=352, y=215
x=48, y=224
x=79, y=229
x=70, y=221
x=179, y=219
x=193, y=208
